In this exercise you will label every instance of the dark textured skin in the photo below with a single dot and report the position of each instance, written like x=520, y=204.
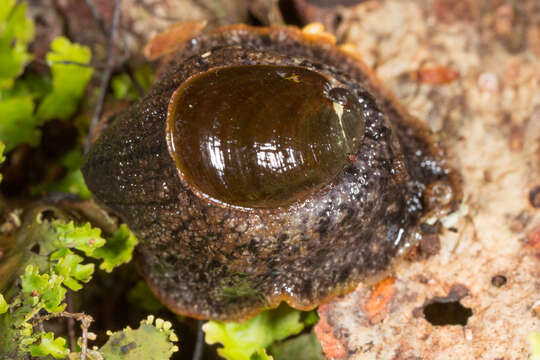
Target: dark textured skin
x=210, y=261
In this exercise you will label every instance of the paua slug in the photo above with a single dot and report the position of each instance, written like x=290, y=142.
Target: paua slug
x=265, y=165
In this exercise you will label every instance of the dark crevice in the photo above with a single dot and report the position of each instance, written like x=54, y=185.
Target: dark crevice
x=498, y=280
x=35, y=249
x=534, y=197
x=442, y=313
x=48, y=215
x=253, y=20
x=289, y=12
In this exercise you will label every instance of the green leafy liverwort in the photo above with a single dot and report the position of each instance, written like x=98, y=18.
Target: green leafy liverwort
x=25, y=106
x=43, y=287
x=248, y=340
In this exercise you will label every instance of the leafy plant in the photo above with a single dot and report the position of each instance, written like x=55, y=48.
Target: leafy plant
x=302, y=347
x=72, y=182
x=150, y=341
x=57, y=256
x=117, y=250
x=18, y=125
x=43, y=287
x=124, y=88
x=16, y=31
x=70, y=75
x=55, y=97
x=248, y=340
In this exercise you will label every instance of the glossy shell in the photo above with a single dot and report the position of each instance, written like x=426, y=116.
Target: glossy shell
x=228, y=249
x=261, y=136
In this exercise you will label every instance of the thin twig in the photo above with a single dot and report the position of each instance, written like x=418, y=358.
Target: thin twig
x=85, y=324
x=85, y=320
x=199, y=343
x=41, y=327
x=97, y=17
x=76, y=316
x=70, y=323
x=106, y=76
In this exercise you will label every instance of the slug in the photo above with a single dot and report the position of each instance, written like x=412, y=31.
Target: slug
x=266, y=165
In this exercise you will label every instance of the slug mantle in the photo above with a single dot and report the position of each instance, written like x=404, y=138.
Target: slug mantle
x=266, y=165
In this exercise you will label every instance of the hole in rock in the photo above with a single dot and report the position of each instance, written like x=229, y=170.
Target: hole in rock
x=440, y=313
x=534, y=197
x=498, y=280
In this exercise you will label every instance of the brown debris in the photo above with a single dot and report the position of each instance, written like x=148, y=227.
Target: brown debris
x=437, y=194
x=533, y=240
x=430, y=245
x=48, y=25
x=533, y=39
x=332, y=347
x=515, y=138
x=437, y=75
x=450, y=11
x=330, y=13
x=504, y=18
x=520, y=222
x=167, y=42
x=381, y=295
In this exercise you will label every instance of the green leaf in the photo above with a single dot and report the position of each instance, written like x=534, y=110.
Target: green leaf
x=261, y=354
x=69, y=235
x=16, y=31
x=302, y=347
x=2, y=157
x=242, y=340
x=72, y=182
x=50, y=346
x=37, y=86
x=18, y=125
x=43, y=289
x=73, y=159
x=117, y=250
x=4, y=306
x=310, y=318
x=123, y=87
x=147, y=342
x=70, y=268
x=69, y=80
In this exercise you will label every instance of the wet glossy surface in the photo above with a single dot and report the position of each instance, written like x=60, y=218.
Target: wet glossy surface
x=206, y=260
x=262, y=136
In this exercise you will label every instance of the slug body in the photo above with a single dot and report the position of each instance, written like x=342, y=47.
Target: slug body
x=265, y=165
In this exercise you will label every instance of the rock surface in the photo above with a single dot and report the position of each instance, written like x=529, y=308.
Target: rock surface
x=472, y=71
